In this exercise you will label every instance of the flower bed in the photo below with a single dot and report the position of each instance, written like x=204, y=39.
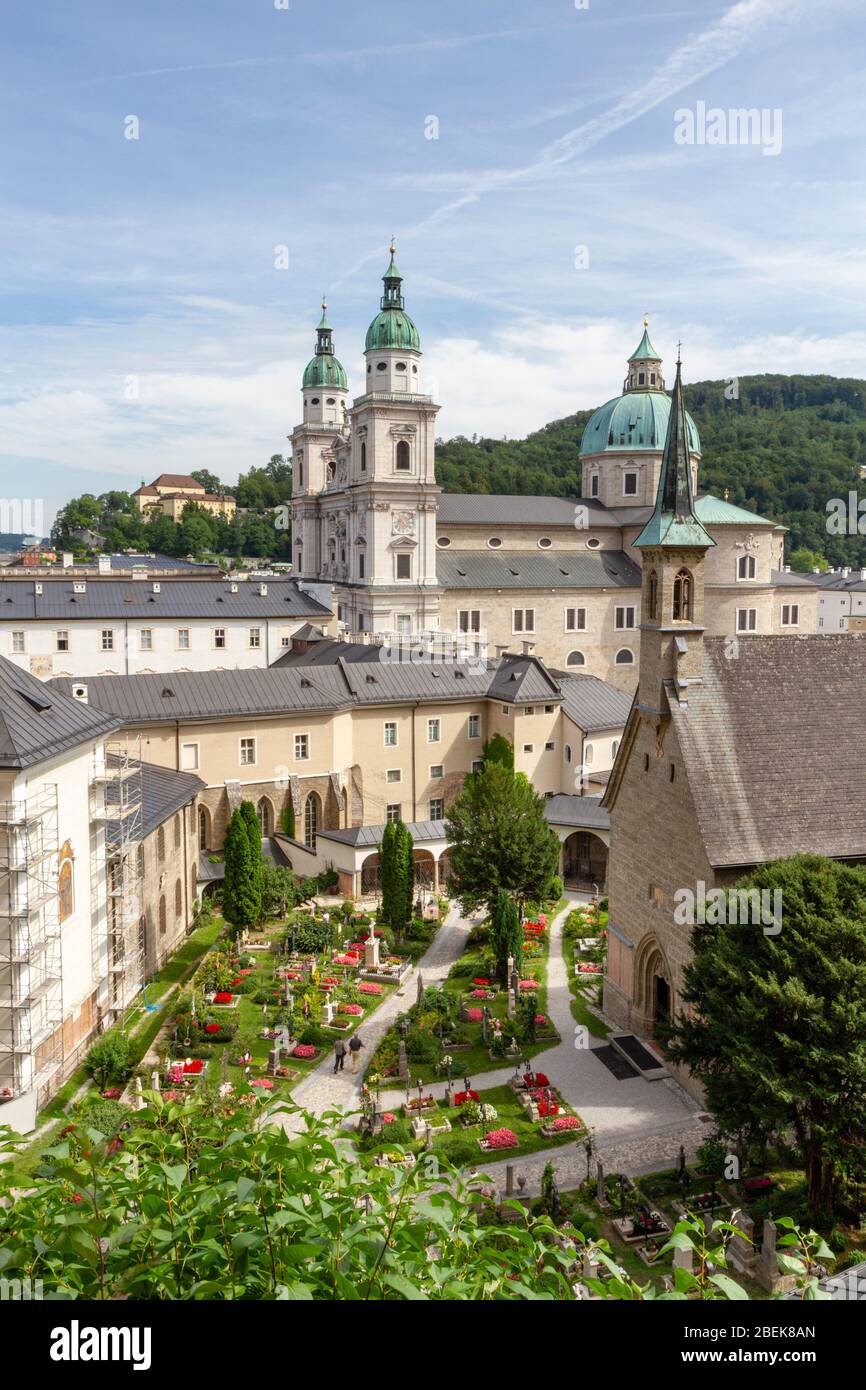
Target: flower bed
x=541, y=1020
x=586, y=967
x=461, y=1097
x=354, y=1009
x=213, y=1028
x=499, y=1139
x=368, y=988
x=756, y=1187
x=474, y=1015
x=305, y=1050
x=264, y=1082
x=482, y=994
x=562, y=1123
x=528, y=984
x=224, y=997
x=481, y=981
x=193, y=1068
x=348, y=959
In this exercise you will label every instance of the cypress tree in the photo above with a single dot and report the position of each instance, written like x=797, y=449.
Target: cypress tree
x=387, y=856
x=250, y=821
x=239, y=903
x=506, y=935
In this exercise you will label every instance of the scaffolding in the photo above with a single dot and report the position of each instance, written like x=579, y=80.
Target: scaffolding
x=118, y=938
x=31, y=985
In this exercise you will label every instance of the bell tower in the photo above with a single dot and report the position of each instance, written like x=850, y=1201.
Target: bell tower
x=673, y=544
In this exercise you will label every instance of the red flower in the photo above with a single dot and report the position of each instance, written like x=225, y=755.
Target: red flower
x=481, y=981
x=461, y=1097
x=567, y=1122
x=224, y=997
x=474, y=1015
x=212, y=1027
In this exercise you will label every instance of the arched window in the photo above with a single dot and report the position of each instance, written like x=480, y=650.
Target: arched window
x=312, y=818
x=363, y=457
x=588, y=754
x=263, y=810
x=624, y=657
x=344, y=797
x=652, y=596
x=746, y=567
x=162, y=915
x=683, y=597
x=178, y=898
x=177, y=832
x=568, y=752
x=614, y=748
x=160, y=844
x=575, y=659
x=193, y=884
x=202, y=828
x=404, y=461
x=65, y=883
x=140, y=861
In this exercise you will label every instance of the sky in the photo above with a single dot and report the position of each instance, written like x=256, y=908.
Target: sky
x=532, y=160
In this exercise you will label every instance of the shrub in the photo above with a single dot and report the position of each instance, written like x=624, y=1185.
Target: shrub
x=109, y=1059
x=397, y=1132
x=554, y=891
x=105, y=1115
x=421, y=1046
x=315, y=1035
x=459, y=1151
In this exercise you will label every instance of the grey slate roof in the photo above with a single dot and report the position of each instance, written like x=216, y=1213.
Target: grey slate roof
x=37, y=723
x=499, y=509
x=212, y=694
x=580, y=811
x=526, y=569
x=327, y=652
x=118, y=599
x=593, y=704
x=362, y=836
x=163, y=792
x=774, y=745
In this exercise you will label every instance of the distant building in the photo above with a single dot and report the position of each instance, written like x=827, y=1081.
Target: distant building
x=171, y=492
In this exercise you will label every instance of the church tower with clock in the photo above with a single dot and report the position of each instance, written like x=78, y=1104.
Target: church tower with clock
x=364, y=500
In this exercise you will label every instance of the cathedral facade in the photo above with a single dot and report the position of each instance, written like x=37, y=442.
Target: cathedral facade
x=557, y=577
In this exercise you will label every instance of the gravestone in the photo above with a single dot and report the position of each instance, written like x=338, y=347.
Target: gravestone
x=154, y=1080
x=403, y=1064
x=509, y=1179
x=741, y=1252
x=512, y=1004
x=274, y=1058
x=419, y=994
x=461, y=1010
x=139, y=1098
x=599, y=1184
x=371, y=951
x=591, y=1266
x=328, y=1013
x=684, y=1259
x=767, y=1267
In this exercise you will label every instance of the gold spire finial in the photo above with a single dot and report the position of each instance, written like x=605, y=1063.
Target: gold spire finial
x=646, y=320
x=679, y=351
x=324, y=301
x=393, y=247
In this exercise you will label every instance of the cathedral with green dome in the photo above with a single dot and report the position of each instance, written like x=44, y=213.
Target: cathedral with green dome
x=480, y=573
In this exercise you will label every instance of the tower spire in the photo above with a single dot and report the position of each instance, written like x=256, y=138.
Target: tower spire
x=674, y=521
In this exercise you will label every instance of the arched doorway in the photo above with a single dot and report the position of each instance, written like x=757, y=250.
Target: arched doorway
x=653, y=992
x=265, y=813
x=371, y=874
x=423, y=869
x=585, y=860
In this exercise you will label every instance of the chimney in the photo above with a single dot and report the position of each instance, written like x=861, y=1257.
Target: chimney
x=79, y=586
x=38, y=590
x=103, y=564
x=79, y=692
x=67, y=559
x=263, y=589
x=157, y=588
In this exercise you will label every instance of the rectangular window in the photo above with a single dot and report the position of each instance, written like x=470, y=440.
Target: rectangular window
x=392, y=811
x=549, y=709
x=436, y=771
x=790, y=614
x=529, y=709
x=523, y=620
x=219, y=638
x=302, y=747
x=255, y=638
x=248, y=752
x=474, y=730
x=469, y=619
x=394, y=774
x=404, y=624
x=145, y=639
x=476, y=764
x=183, y=639
x=575, y=619
x=189, y=757
x=433, y=731
x=505, y=709
x=18, y=641
x=107, y=639
x=362, y=562
x=437, y=808
x=390, y=735
x=404, y=566
x=63, y=640
x=624, y=618
x=629, y=484
x=593, y=485
x=527, y=748
x=746, y=619
x=550, y=747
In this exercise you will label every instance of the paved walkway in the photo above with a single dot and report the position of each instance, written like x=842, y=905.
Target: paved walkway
x=638, y=1125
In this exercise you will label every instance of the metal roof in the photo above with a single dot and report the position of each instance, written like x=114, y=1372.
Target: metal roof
x=522, y=569
x=156, y=698
x=501, y=509
x=37, y=723
x=163, y=793
x=586, y=811
x=593, y=704
x=363, y=836
x=134, y=598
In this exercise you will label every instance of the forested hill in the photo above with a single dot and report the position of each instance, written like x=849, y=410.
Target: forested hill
x=783, y=448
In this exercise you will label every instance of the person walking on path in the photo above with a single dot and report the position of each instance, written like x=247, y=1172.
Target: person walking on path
x=339, y=1055
x=355, y=1046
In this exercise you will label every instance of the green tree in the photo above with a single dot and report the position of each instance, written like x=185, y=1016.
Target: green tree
x=498, y=838
x=109, y=1058
x=404, y=879
x=803, y=560
x=388, y=873
x=254, y=832
x=498, y=749
x=776, y=1026
x=241, y=904
x=506, y=936
x=209, y=481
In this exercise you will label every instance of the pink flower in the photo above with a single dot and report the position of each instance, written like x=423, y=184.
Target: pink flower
x=566, y=1122
x=388, y=1118
x=349, y=1009
x=306, y=1050
x=502, y=1139
x=540, y=1019
x=369, y=988
x=263, y=1081
x=474, y=1015
x=529, y=984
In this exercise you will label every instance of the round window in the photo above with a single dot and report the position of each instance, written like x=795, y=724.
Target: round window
x=443, y=541
x=545, y=542
x=415, y=369
x=400, y=366
x=494, y=542
x=332, y=400
x=381, y=366
x=315, y=400
x=593, y=543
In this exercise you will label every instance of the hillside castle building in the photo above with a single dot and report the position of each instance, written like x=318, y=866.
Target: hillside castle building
x=557, y=576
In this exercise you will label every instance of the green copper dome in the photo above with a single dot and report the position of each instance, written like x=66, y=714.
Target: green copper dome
x=638, y=420
x=392, y=326
x=324, y=369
